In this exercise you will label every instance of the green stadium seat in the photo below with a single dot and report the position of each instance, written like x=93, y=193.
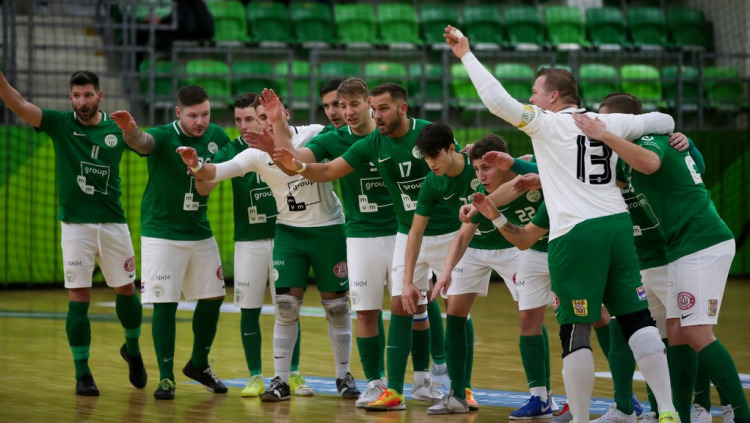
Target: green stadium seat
x=483, y=27
x=398, y=25
x=648, y=27
x=724, y=88
x=689, y=29
x=229, y=22
x=434, y=18
x=463, y=89
x=595, y=81
x=356, y=25
x=300, y=79
x=313, y=24
x=431, y=98
x=377, y=73
x=330, y=70
x=606, y=27
x=163, y=73
x=524, y=27
x=672, y=78
x=565, y=27
x=517, y=78
x=269, y=23
x=252, y=76
x=213, y=76
x=644, y=82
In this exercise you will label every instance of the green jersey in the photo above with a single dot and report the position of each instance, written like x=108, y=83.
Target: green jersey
x=441, y=197
x=681, y=204
x=649, y=244
x=171, y=206
x=520, y=211
x=87, y=162
x=254, y=206
x=403, y=169
x=367, y=206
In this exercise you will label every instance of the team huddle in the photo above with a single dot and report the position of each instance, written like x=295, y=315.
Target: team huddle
x=608, y=222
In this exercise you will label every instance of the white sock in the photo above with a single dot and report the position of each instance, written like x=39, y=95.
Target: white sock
x=539, y=391
x=648, y=350
x=421, y=378
x=578, y=376
x=284, y=338
x=341, y=342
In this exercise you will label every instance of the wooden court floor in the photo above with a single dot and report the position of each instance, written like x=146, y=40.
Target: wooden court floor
x=37, y=374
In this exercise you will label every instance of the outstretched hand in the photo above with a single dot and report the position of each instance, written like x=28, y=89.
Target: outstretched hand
x=124, y=120
x=262, y=140
x=498, y=159
x=485, y=206
x=189, y=156
x=286, y=159
x=457, y=41
x=271, y=105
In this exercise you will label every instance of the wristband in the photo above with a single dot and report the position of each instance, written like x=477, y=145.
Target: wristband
x=303, y=168
x=197, y=168
x=499, y=221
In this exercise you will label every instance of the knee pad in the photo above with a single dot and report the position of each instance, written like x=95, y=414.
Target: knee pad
x=337, y=311
x=632, y=322
x=287, y=309
x=575, y=336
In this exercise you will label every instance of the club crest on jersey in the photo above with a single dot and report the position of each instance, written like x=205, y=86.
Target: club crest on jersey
x=641, y=291
x=129, y=265
x=341, y=270
x=474, y=184
x=220, y=273
x=555, y=301
x=212, y=147
x=685, y=300
x=581, y=307
x=416, y=153
x=713, y=307
x=110, y=140
x=534, y=196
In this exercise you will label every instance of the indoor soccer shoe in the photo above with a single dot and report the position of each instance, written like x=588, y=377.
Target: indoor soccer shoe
x=277, y=391
x=650, y=417
x=473, y=404
x=533, y=409
x=254, y=388
x=388, y=400
x=668, y=417
x=553, y=405
x=86, y=387
x=613, y=415
x=347, y=388
x=206, y=377
x=136, y=368
x=564, y=415
x=165, y=391
x=299, y=387
x=698, y=414
x=373, y=391
x=426, y=393
x=439, y=374
x=449, y=404
x=727, y=413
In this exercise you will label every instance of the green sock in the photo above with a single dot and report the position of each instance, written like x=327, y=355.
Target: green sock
x=437, y=334
x=602, y=335
x=547, y=366
x=703, y=388
x=532, y=357
x=369, y=354
x=163, y=331
x=720, y=366
x=622, y=366
x=205, y=320
x=420, y=350
x=78, y=328
x=682, y=376
x=381, y=345
x=130, y=312
x=294, y=367
x=469, y=351
x=251, y=339
x=456, y=351
x=398, y=349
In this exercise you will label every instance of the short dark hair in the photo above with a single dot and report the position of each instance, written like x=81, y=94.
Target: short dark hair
x=190, y=95
x=84, y=78
x=256, y=102
x=434, y=138
x=622, y=103
x=353, y=87
x=396, y=91
x=489, y=142
x=562, y=81
x=245, y=100
x=331, y=85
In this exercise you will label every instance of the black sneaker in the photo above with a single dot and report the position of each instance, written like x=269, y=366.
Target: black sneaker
x=347, y=388
x=165, y=391
x=86, y=387
x=277, y=391
x=206, y=377
x=137, y=370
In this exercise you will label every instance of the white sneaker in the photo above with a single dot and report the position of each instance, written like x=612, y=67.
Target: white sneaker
x=615, y=416
x=426, y=393
x=449, y=404
x=439, y=374
x=727, y=413
x=649, y=417
x=373, y=391
x=698, y=414
x=552, y=404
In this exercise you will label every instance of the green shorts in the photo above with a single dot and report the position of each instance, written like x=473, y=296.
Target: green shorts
x=594, y=264
x=324, y=248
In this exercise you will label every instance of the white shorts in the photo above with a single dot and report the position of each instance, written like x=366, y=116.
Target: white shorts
x=370, y=261
x=472, y=273
x=431, y=258
x=106, y=243
x=655, y=283
x=533, y=280
x=253, y=267
x=695, y=284
x=173, y=267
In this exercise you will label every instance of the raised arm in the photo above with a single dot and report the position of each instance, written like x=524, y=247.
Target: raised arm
x=190, y=158
x=316, y=172
x=456, y=250
x=18, y=105
x=136, y=139
x=632, y=127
